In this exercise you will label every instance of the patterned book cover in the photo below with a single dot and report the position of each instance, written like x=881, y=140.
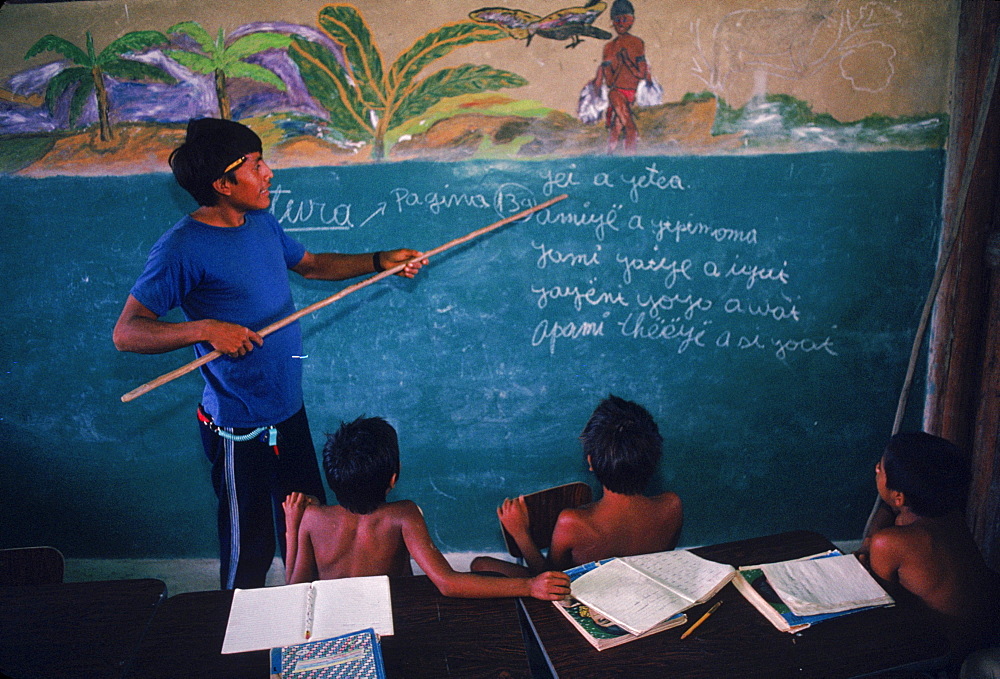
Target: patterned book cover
x=357, y=655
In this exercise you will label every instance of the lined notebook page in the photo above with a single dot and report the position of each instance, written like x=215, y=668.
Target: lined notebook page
x=830, y=585
x=628, y=597
x=687, y=574
x=352, y=604
x=266, y=617
x=270, y=617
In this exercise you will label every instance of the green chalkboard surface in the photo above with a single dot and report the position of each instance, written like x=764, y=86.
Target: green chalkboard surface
x=761, y=307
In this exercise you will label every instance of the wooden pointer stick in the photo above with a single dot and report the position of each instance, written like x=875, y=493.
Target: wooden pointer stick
x=277, y=325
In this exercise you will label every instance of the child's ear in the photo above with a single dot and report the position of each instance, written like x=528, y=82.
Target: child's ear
x=896, y=499
x=392, y=482
x=590, y=465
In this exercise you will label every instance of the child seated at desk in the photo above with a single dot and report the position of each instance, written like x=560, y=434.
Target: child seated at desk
x=928, y=548
x=365, y=535
x=622, y=446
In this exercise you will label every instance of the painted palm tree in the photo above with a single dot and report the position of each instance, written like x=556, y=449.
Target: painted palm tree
x=90, y=69
x=364, y=99
x=224, y=61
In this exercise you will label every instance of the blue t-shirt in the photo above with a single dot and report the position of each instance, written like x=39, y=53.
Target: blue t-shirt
x=240, y=275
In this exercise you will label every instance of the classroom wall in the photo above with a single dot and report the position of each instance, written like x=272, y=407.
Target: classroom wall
x=753, y=273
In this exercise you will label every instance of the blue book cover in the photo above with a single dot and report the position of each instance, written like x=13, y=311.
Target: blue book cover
x=357, y=655
x=754, y=586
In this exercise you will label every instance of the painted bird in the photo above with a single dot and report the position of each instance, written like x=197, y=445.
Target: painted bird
x=569, y=23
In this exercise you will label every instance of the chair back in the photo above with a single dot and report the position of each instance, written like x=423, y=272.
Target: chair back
x=543, y=510
x=31, y=566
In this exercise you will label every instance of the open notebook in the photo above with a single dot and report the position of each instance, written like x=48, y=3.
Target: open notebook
x=639, y=592
x=269, y=617
x=837, y=589
x=600, y=632
x=830, y=585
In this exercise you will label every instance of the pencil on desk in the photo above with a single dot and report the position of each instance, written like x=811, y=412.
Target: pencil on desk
x=701, y=620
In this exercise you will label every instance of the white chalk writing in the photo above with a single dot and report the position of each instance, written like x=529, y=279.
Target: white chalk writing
x=589, y=296
x=673, y=268
x=546, y=332
x=548, y=256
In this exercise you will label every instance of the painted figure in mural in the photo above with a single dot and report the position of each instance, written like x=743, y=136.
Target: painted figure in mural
x=623, y=67
x=225, y=265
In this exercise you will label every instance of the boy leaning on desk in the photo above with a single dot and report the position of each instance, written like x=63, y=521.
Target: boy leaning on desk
x=919, y=541
x=365, y=535
x=622, y=446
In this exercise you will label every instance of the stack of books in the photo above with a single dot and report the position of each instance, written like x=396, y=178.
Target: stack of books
x=622, y=599
x=794, y=595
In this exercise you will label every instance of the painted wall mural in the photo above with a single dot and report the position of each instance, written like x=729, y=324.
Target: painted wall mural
x=754, y=199
x=516, y=82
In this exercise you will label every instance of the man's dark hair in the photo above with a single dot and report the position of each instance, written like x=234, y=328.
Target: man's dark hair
x=624, y=445
x=931, y=472
x=212, y=149
x=359, y=461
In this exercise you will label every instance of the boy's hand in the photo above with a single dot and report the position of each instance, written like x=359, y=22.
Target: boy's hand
x=513, y=515
x=550, y=586
x=295, y=506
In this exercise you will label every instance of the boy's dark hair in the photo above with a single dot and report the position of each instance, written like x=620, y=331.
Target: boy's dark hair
x=212, y=149
x=931, y=472
x=359, y=461
x=624, y=445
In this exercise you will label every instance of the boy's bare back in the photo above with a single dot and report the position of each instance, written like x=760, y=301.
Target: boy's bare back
x=344, y=544
x=937, y=560
x=616, y=525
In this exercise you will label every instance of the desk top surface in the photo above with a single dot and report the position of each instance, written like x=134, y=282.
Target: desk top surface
x=737, y=641
x=74, y=629
x=435, y=636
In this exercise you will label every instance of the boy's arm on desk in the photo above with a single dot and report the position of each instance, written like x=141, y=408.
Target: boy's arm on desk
x=550, y=585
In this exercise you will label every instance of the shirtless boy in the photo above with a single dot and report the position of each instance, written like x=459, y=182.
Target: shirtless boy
x=622, y=446
x=623, y=67
x=365, y=535
x=928, y=549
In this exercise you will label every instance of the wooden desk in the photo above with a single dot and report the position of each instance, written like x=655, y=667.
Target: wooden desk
x=74, y=629
x=438, y=636
x=738, y=642
x=435, y=636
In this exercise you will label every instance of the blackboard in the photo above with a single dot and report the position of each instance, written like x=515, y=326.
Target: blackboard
x=761, y=307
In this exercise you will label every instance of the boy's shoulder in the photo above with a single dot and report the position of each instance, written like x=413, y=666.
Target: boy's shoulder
x=667, y=500
x=400, y=509
x=898, y=544
x=323, y=518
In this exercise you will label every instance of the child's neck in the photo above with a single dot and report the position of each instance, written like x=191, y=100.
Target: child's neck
x=611, y=498
x=907, y=517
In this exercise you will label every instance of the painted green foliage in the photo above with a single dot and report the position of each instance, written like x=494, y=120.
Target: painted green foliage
x=226, y=61
x=88, y=73
x=364, y=100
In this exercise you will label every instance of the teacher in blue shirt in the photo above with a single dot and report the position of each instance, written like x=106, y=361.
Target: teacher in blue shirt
x=225, y=265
